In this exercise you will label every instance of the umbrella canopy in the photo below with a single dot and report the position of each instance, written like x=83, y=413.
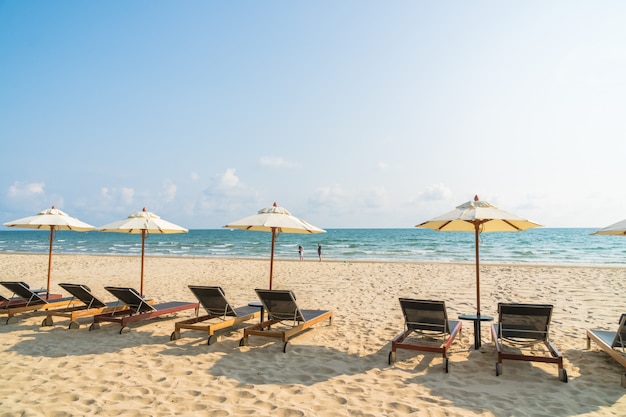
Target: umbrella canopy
x=618, y=229
x=275, y=220
x=50, y=219
x=142, y=222
x=478, y=216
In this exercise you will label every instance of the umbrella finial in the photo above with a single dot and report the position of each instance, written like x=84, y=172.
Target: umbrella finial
x=54, y=207
x=476, y=198
x=144, y=209
x=275, y=204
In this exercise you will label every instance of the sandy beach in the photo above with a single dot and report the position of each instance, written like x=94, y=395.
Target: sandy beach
x=337, y=370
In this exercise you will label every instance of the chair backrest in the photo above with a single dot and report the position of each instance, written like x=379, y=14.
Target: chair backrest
x=620, y=335
x=280, y=305
x=213, y=300
x=425, y=315
x=83, y=293
x=131, y=298
x=21, y=289
x=524, y=322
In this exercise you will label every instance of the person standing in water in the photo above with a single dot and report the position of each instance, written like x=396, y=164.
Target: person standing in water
x=319, y=251
x=301, y=252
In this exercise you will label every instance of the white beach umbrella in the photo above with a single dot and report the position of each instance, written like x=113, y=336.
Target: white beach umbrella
x=142, y=222
x=478, y=216
x=51, y=219
x=617, y=229
x=275, y=220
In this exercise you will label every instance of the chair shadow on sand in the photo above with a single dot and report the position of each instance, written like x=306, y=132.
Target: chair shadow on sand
x=263, y=361
x=471, y=384
x=524, y=388
x=55, y=342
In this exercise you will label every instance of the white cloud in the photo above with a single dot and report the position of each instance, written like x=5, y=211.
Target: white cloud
x=169, y=191
x=21, y=190
x=127, y=195
x=275, y=162
x=228, y=180
x=436, y=192
x=226, y=184
x=331, y=195
x=375, y=198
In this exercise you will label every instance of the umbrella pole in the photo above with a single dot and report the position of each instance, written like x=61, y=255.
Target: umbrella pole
x=143, y=244
x=477, y=273
x=272, y=256
x=50, y=262
x=477, y=336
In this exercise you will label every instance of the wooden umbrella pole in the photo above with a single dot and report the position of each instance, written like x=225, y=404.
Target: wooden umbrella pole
x=477, y=273
x=143, y=246
x=50, y=261
x=272, y=256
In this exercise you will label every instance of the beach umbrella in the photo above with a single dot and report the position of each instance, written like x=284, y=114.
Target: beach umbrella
x=478, y=216
x=142, y=222
x=51, y=219
x=275, y=220
x=617, y=229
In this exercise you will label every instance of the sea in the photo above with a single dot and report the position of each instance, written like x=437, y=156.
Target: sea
x=539, y=246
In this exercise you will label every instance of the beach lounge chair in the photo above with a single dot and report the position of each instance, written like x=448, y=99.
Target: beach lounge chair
x=138, y=309
x=33, y=301
x=521, y=327
x=16, y=301
x=613, y=343
x=91, y=306
x=429, y=321
x=285, y=319
x=222, y=314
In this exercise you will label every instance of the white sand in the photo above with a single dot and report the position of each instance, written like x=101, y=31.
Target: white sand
x=338, y=370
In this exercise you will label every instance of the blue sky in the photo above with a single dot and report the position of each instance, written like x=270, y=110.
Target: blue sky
x=348, y=113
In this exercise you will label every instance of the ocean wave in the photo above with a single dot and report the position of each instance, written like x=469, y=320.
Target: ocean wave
x=539, y=246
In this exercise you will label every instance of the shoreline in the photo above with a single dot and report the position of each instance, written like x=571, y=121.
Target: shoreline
x=356, y=261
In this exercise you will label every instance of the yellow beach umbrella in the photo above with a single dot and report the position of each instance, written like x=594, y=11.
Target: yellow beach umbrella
x=275, y=220
x=478, y=217
x=617, y=229
x=142, y=222
x=51, y=219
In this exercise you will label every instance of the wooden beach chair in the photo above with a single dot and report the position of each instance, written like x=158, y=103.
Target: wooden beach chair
x=428, y=320
x=137, y=309
x=613, y=343
x=222, y=314
x=521, y=327
x=16, y=300
x=33, y=301
x=285, y=319
x=91, y=306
